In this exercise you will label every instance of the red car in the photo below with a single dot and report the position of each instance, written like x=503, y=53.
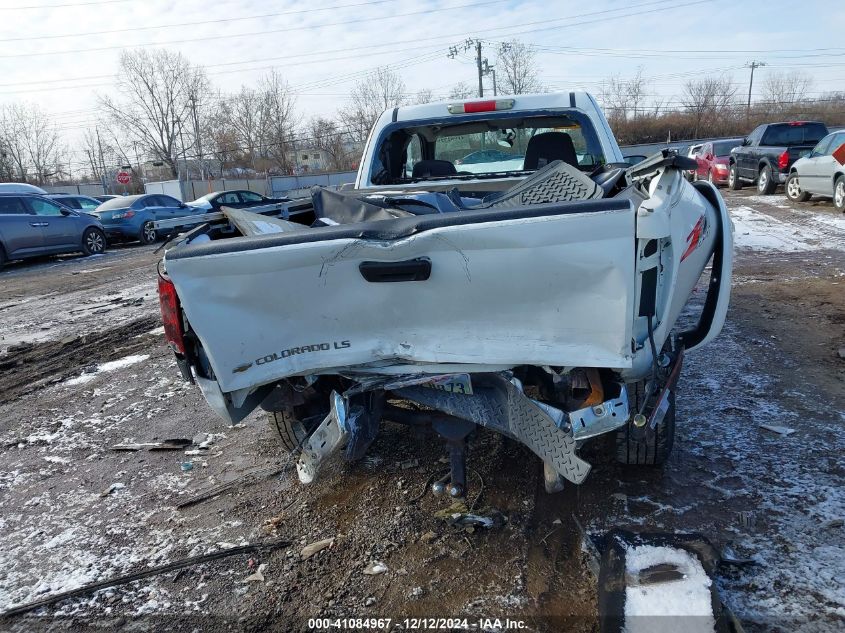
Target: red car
x=712, y=161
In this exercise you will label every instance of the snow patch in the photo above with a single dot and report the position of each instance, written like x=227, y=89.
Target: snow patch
x=685, y=601
x=114, y=365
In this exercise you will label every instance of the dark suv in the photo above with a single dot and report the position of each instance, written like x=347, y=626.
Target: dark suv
x=33, y=225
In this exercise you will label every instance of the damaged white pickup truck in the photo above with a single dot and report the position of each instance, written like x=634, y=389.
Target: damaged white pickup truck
x=496, y=264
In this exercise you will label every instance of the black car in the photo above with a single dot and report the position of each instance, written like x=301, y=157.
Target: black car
x=237, y=199
x=32, y=225
x=765, y=156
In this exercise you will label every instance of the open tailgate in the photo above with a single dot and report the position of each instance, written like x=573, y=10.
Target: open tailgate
x=548, y=284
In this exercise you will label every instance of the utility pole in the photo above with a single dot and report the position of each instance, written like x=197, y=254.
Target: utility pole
x=752, y=66
x=480, y=71
x=193, y=99
x=102, y=163
x=138, y=162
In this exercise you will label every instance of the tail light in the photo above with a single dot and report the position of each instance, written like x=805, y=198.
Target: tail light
x=171, y=314
x=122, y=215
x=471, y=107
x=783, y=160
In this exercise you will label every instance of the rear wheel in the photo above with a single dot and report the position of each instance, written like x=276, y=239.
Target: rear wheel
x=794, y=191
x=733, y=179
x=653, y=449
x=290, y=429
x=148, y=233
x=839, y=193
x=93, y=242
x=766, y=183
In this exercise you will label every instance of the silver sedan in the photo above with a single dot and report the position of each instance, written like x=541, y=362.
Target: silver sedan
x=819, y=173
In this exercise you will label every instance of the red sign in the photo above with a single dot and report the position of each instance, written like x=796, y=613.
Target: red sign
x=124, y=177
x=839, y=154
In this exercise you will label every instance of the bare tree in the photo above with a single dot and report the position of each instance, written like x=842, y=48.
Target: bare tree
x=517, y=69
x=462, y=90
x=243, y=112
x=623, y=98
x=707, y=99
x=155, y=87
x=426, y=95
x=325, y=135
x=780, y=91
x=277, y=120
x=375, y=93
x=30, y=142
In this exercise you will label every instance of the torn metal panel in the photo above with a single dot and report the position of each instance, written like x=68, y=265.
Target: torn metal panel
x=545, y=290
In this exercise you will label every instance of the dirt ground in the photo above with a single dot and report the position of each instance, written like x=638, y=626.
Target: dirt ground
x=83, y=366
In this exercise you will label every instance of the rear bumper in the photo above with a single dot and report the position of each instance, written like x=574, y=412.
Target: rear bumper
x=121, y=231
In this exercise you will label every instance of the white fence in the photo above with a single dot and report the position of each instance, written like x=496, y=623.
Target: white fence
x=293, y=186
x=90, y=189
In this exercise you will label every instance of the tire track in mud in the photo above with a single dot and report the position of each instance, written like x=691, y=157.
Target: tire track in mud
x=31, y=366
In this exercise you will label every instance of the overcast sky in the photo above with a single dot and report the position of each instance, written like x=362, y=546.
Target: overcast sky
x=62, y=53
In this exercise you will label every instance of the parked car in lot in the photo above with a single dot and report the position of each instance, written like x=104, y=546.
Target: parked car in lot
x=485, y=156
x=105, y=197
x=235, y=198
x=20, y=187
x=692, y=151
x=132, y=217
x=634, y=159
x=86, y=204
x=766, y=155
x=819, y=173
x=32, y=225
x=712, y=159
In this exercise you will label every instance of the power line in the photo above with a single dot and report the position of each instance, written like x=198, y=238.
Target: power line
x=255, y=33
x=59, y=6
x=194, y=23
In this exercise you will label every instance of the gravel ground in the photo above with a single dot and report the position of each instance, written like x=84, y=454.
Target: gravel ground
x=83, y=366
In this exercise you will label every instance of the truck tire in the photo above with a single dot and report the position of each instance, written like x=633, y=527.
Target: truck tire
x=793, y=189
x=839, y=193
x=734, y=182
x=766, y=184
x=290, y=430
x=652, y=450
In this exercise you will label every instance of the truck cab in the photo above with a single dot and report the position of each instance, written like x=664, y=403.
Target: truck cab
x=484, y=145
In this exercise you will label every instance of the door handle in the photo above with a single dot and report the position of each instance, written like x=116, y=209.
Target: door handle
x=384, y=272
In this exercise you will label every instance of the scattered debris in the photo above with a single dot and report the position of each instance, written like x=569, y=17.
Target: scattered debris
x=309, y=550
x=258, y=576
x=151, y=571
x=746, y=518
x=246, y=479
x=165, y=445
x=428, y=537
x=781, y=430
x=833, y=523
x=408, y=464
x=655, y=574
x=186, y=466
x=557, y=522
x=730, y=557
x=375, y=568
x=842, y=352
x=369, y=601
x=112, y=488
x=458, y=514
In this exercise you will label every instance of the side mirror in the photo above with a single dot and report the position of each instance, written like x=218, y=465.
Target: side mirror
x=66, y=211
x=745, y=142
